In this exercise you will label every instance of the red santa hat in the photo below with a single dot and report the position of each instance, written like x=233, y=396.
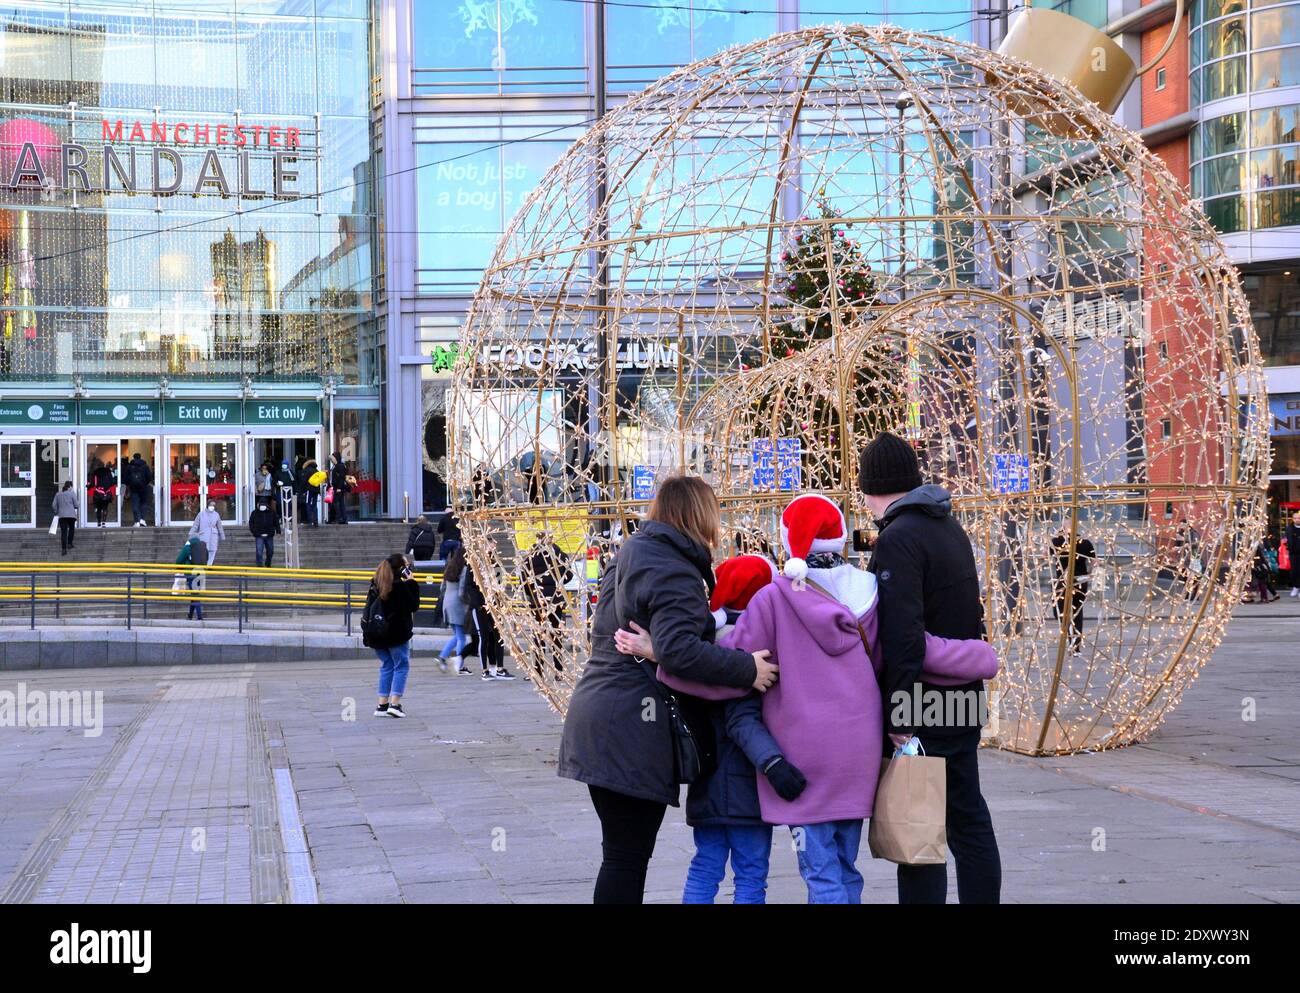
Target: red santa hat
x=810, y=523
x=739, y=578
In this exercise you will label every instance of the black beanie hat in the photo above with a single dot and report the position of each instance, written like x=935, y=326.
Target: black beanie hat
x=888, y=465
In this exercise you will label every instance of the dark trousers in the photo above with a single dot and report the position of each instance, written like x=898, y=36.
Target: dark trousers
x=550, y=622
x=67, y=532
x=265, y=549
x=137, y=505
x=491, y=652
x=970, y=831
x=339, y=507
x=628, y=829
x=1076, y=614
x=101, y=512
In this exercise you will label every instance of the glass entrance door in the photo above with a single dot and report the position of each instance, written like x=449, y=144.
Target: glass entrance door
x=275, y=452
x=199, y=471
x=101, y=503
x=17, y=483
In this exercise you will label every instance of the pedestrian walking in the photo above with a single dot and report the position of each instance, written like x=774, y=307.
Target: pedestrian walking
x=543, y=576
x=264, y=524
x=1071, y=578
x=137, y=477
x=491, y=649
x=619, y=732
x=340, y=485
x=1259, y=585
x=449, y=538
x=421, y=544
x=308, y=481
x=67, y=509
x=193, y=555
x=208, y=526
x=1292, y=541
x=387, y=626
x=928, y=583
x=103, y=489
x=454, y=613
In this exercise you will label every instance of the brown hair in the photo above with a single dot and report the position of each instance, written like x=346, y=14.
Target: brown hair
x=455, y=565
x=689, y=504
x=384, y=579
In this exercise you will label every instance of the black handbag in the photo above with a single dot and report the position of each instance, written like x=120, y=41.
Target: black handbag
x=688, y=762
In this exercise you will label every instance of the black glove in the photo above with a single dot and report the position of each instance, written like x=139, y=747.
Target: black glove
x=785, y=778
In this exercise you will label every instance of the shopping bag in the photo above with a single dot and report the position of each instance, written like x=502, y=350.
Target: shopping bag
x=54, y=526
x=1283, y=556
x=317, y=478
x=908, y=826
x=178, y=585
x=329, y=496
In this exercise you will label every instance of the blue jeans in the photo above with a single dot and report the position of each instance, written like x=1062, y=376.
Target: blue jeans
x=456, y=643
x=827, y=857
x=749, y=846
x=195, y=613
x=394, y=664
x=265, y=549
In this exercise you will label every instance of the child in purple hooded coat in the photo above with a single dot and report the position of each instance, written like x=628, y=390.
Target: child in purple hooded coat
x=825, y=710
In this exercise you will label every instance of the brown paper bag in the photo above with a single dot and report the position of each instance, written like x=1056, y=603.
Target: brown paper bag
x=909, y=823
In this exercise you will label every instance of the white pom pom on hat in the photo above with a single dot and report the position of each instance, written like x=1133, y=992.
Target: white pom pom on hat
x=810, y=523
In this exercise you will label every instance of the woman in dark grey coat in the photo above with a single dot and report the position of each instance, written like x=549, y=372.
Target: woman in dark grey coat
x=613, y=738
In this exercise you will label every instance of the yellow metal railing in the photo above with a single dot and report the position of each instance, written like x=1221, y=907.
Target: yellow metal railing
x=44, y=583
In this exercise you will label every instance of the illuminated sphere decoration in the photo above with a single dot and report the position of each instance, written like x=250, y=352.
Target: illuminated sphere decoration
x=769, y=256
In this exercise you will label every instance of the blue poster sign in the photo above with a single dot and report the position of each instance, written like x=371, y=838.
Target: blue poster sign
x=1010, y=473
x=1284, y=415
x=643, y=482
x=776, y=468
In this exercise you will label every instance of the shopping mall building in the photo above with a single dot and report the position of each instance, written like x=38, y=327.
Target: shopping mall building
x=186, y=267
x=234, y=231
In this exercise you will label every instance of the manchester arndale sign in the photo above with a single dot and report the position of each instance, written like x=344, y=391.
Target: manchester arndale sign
x=248, y=160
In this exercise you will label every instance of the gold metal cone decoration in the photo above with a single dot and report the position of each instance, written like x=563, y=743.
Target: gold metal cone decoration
x=1076, y=349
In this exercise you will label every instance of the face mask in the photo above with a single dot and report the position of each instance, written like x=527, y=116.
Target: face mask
x=212, y=507
x=261, y=506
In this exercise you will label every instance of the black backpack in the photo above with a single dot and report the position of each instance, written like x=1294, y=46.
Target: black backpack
x=374, y=622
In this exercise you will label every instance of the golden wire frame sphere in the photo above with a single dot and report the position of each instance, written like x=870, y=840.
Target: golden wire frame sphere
x=771, y=255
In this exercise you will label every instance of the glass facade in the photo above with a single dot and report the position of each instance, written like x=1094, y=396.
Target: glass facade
x=187, y=218
x=513, y=83
x=185, y=192
x=1240, y=47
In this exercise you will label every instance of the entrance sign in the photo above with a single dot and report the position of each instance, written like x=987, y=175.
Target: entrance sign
x=1010, y=473
x=38, y=412
x=129, y=413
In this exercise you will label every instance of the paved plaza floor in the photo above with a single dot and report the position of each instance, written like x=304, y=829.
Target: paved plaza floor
x=257, y=783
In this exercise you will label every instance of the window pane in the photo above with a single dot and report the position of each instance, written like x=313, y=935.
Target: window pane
x=1226, y=37
x=277, y=67
x=1222, y=134
x=1224, y=79
x=1280, y=208
x=1275, y=27
x=1227, y=214
x=1280, y=67
x=1224, y=175
x=1274, y=167
x=1275, y=126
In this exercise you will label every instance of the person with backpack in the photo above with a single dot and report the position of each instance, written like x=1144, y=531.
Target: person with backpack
x=339, y=489
x=387, y=625
x=137, y=477
x=420, y=542
x=193, y=554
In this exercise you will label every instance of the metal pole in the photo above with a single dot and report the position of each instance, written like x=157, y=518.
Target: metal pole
x=347, y=604
x=58, y=595
x=128, y=602
x=239, y=603
x=599, y=387
x=33, y=601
